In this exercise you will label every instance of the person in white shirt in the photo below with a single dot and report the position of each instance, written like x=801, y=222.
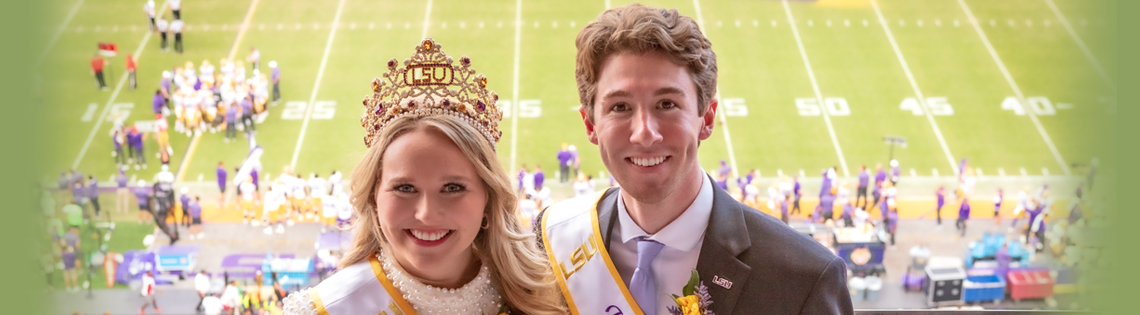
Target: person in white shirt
x=212, y=305
x=202, y=285
x=334, y=181
x=254, y=57
x=176, y=28
x=582, y=186
x=176, y=8
x=528, y=208
x=149, y=9
x=148, y=291
x=162, y=26
x=542, y=197
x=246, y=189
x=843, y=193
x=343, y=208
x=231, y=296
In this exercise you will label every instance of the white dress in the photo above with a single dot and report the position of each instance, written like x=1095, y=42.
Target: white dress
x=479, y=296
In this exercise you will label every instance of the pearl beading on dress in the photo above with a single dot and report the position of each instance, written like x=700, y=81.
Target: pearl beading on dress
x=479, y=296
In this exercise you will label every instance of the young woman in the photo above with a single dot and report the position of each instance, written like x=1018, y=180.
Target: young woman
x=437, y=229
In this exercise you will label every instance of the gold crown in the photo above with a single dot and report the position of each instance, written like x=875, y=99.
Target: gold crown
x=430, y=84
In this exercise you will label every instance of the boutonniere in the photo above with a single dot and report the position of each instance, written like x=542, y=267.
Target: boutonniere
x=695, y=299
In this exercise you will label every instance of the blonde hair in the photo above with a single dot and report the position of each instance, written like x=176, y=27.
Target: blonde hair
x=504, y=247
x=640, y=29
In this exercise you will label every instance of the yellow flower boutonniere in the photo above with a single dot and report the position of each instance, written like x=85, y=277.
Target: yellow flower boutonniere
x=695, y=299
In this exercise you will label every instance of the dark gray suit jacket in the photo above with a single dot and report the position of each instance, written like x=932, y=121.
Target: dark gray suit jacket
x=772, y=268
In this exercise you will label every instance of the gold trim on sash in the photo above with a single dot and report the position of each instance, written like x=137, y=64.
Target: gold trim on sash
x=606, y=256
x=554, y=265
x=320, y=306
x=600, y=243
x=395, y=294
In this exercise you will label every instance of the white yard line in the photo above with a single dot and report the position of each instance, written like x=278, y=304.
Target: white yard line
x=1013, y=85
x=815, y=87
x=54, y=38
x=193, y=147
x=720, y=111
x=1081, y=43
x=914, y=86
x=515, y=87
x=316, y=86
x=608, y=4
x=427, y=19
x=107, y=106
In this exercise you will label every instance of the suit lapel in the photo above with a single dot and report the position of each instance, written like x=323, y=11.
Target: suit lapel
x=607, y=214
x=725, y=238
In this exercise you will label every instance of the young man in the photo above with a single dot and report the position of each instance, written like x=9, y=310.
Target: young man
x=646, y=80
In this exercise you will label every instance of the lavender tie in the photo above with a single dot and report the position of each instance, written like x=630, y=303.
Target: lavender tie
x=643, y=286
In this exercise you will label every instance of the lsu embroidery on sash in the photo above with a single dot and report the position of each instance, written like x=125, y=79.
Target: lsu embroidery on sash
x=582, y=265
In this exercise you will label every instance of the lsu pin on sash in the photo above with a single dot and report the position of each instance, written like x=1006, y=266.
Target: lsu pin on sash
x=580, y=261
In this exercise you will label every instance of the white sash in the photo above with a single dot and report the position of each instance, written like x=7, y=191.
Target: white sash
x=580, y=261
x=359, y=289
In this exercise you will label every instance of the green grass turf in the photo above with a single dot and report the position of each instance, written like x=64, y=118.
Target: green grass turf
x=126, y=236
x=760, y=65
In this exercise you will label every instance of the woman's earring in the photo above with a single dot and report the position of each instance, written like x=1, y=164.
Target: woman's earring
x=486, y=224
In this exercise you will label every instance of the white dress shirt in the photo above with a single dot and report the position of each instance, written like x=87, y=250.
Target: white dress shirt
x=682, y=238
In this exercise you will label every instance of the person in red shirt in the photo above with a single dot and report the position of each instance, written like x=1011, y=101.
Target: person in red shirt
x=97, y=64
x=132, y=65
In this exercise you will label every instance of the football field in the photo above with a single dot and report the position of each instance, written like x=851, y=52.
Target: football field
x=1018, y=87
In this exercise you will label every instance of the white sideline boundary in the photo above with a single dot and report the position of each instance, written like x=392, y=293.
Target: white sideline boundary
x=1081, y=43
x=1013, y=85
x=720, y=111
x=914, y=85
x=815, y=87
x=317, y=85
x=58, y=32
x=515, y=88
